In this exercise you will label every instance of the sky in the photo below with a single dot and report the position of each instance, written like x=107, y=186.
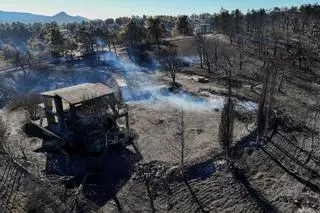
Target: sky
x=102, y=9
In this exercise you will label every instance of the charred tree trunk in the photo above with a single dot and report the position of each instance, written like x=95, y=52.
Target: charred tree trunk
x=109, y=46
x=208, y=63
x=149, y=192
x=158, y=42
x=280, y=83
x=201, y=59
x=114, y=48
x=216, y=58
x=261, y=116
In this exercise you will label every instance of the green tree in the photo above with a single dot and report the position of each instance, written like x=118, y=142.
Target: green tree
x=86, y=41
x=114, y=38
x=134, y=32
x=156, y=29
x=225, y=24
x=71, y=47
x=109, y=21
x=183, y=25
x=55, y=41
x=107, y=38
x=111, y=37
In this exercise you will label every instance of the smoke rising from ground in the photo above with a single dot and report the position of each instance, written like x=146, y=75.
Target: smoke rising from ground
x=142, y=85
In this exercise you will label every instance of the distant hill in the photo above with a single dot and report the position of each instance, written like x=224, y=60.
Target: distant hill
x=60, y=18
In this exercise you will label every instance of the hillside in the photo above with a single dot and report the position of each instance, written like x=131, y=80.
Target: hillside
x=60, y=18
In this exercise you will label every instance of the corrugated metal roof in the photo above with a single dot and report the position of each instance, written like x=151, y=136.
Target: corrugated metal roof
x=81, y=92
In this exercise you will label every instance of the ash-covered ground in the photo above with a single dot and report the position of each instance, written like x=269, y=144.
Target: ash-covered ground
x=282, y=176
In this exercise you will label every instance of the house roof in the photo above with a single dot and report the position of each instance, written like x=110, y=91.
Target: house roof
x=81, y=92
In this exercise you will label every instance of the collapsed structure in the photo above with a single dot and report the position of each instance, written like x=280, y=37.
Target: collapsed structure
x=87, y=116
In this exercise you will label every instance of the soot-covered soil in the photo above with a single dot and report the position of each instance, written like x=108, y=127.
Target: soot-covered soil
x=157, y=125
x=280, y=176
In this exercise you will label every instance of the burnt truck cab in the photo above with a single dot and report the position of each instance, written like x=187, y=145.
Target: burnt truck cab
x=87, y=117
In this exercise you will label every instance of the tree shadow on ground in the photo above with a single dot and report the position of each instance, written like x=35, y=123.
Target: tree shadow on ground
x=292, y=142
x=101, y=177
x=246, y=142
x=276, y=153
x=297, y=100
x=307, y=183
x=293, y=159
x=303, y=84
x=263, y=204
x=201, y=207
x=202, y=170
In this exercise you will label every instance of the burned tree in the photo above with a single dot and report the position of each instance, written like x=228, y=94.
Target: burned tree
x=226, y=128
x=199, y=41
x=148, y=181
x=314, y=135
x=241, y=51
x=265, y=103
x=261, y=114
x=229, y=64
x=227, y=115
x=177, y=146
x=180, y=152
x=211, y=54
x=171, y=62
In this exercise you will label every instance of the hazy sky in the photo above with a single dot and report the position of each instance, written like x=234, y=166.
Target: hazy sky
x=114, y=8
